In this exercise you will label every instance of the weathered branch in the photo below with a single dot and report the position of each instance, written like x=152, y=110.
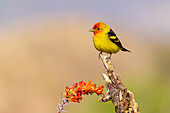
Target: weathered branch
x=122, y=98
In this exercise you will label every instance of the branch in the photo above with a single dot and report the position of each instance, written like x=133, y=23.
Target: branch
x=61, y=106
x=122, y=98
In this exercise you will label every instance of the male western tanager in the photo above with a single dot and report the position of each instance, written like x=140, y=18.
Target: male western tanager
x=105, y=40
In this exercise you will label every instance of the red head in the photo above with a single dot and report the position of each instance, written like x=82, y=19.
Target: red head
x=99, y=27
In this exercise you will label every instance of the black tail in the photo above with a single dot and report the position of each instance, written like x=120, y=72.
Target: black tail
x=124, y=49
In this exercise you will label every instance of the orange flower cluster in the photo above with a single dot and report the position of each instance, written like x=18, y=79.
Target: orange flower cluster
x=75, y=93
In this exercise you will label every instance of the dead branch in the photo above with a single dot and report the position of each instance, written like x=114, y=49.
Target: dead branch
x=122, y=98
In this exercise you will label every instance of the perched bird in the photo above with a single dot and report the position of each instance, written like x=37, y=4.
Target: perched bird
x=105, y=40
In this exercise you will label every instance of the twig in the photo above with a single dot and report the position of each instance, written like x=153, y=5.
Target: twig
x=64, y=103
x=122, y=98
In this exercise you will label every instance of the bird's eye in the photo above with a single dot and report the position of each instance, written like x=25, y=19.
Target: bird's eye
x=98, y=28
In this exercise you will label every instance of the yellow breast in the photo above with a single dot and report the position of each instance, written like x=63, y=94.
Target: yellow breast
x=104, y=44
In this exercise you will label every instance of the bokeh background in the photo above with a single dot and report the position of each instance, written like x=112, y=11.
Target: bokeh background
x=45, y=46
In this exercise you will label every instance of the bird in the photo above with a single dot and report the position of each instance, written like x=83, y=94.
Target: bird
x=105, y=40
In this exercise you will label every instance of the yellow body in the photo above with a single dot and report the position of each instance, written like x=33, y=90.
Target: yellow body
x=104, y=44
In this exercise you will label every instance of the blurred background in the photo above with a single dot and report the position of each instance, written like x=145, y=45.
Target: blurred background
x=45, y=46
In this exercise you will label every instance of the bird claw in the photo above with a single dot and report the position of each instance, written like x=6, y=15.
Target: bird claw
x=100, y=54
x=109, y=58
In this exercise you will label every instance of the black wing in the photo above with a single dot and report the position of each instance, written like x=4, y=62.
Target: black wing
x=114, y=39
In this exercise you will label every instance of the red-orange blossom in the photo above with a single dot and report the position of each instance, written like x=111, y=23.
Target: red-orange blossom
x=75, y=93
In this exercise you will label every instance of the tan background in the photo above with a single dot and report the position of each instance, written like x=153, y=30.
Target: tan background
x=42, y=54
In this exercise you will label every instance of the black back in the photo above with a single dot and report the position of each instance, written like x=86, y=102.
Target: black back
x=116, y=40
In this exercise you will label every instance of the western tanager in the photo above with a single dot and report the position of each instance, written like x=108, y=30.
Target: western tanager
x=105, y=40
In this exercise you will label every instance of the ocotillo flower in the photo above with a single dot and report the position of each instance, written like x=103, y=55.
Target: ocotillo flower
x=75, y=93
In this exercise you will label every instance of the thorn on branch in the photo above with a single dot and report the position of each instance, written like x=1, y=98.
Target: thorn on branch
x=105, y=98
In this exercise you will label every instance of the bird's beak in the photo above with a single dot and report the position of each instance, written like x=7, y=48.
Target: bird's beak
x=92, y=30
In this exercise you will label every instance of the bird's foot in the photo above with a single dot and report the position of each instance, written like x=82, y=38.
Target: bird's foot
x=109, y=58
x=100, y=54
